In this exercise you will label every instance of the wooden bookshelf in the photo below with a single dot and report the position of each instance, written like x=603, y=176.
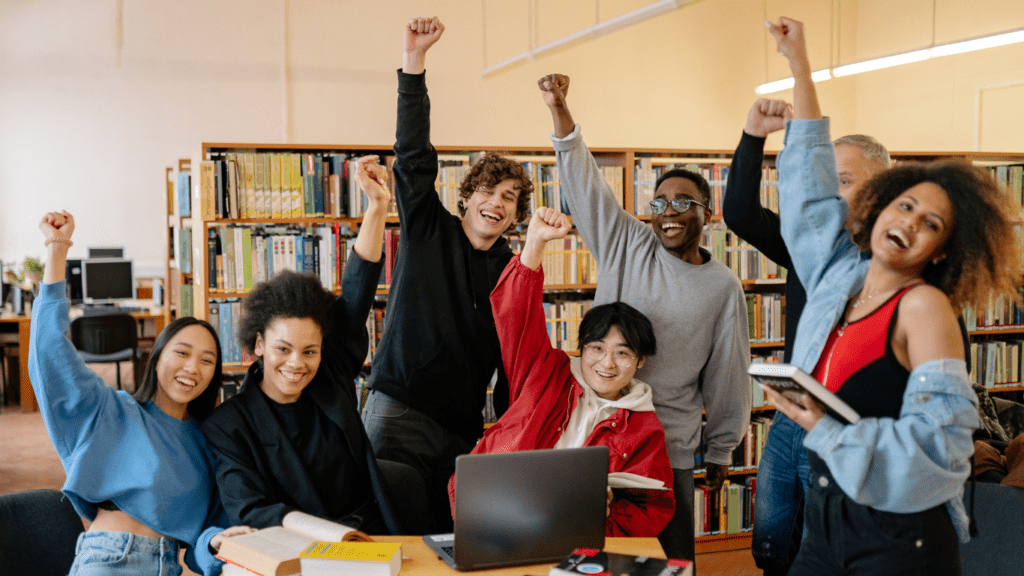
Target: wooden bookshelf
x=632, y=161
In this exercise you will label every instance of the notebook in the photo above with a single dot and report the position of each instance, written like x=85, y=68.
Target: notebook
x=528, y=507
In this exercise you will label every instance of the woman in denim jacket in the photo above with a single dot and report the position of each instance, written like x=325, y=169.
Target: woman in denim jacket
x=886, y=493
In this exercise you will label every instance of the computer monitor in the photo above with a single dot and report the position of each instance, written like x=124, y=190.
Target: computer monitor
x=106, y=252
x=107, y=280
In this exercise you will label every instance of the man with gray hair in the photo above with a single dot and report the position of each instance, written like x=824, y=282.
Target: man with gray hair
x=783, y=472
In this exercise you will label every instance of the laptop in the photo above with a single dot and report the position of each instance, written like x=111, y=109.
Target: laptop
x=530, y=507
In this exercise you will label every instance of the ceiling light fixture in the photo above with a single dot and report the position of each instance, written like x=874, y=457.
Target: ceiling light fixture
x=961, y=47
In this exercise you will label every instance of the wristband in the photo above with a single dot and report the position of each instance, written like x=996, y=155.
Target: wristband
x=59, y=240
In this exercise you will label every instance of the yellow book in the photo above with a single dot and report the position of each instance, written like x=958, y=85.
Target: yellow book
x=275, y=185
x=208, y=190
x=363, y=558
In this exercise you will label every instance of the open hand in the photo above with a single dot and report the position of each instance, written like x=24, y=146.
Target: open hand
x=789, y=39
x=57, y=225
x=555, y=88
x=218, y=538
x=422, y=33
x=767, y=116
x=548, y=224
x=806, y=414
x=373, y=179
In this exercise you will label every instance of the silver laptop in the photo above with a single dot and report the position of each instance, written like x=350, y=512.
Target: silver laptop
x=525, y=507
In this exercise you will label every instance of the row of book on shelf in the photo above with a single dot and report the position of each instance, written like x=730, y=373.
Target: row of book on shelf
x=565, y=261
x=766, y=315
x=743, y=259
x=249, y=184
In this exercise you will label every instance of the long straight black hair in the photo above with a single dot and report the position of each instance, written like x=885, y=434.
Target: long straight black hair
x=203, y=405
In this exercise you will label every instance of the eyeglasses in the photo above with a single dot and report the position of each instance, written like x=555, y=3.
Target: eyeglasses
x=595, y=352
x=659, y=205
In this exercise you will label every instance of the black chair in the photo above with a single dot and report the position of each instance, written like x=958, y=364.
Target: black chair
x=408, y=494
x=38, y=533
x=108, y=338
x=996, y=550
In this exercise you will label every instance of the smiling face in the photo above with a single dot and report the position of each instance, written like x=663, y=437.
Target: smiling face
x=184, y=369
x=854, y=169
x=609, y=364
x=680, y=233
x=290, y=348
x=912, y=230
x=490, y=212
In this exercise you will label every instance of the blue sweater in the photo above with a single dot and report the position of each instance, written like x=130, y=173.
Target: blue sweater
x=154, y=467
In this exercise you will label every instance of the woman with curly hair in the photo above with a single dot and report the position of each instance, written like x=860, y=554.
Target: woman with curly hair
x=292, y=439
x=880, y=330
x=137, y=466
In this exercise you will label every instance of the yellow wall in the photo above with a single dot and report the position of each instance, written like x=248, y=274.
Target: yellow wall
x=89, y=123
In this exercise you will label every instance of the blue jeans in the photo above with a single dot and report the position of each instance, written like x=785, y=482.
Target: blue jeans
x=402, y=434
x=123, y=554
x=783, y=475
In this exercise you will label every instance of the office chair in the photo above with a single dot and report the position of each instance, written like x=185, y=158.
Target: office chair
x=108, y=338
x=38, y=533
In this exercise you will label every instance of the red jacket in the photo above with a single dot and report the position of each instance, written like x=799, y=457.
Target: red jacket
x=543, y=393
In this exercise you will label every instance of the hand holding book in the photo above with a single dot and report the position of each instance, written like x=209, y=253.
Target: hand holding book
x=805, y=411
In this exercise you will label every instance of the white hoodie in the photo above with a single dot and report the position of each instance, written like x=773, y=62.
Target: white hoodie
x=592, y=409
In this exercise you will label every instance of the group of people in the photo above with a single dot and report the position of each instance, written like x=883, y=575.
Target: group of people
x=880, y=260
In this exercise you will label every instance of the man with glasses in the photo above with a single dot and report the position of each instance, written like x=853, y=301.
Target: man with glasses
x=694, y=302
x=557, y=401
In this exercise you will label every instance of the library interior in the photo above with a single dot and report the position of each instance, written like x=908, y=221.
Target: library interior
x=206, y=147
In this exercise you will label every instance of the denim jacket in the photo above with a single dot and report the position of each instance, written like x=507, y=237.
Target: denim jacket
x=921, y=459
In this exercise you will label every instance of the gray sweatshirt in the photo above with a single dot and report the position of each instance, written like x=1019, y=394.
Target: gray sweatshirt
x=698, y=312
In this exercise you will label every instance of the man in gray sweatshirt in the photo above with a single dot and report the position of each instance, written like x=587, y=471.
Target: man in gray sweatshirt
x=695, y=303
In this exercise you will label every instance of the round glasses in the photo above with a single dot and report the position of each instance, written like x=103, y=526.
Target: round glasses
x=659, y=205
x=595, y=352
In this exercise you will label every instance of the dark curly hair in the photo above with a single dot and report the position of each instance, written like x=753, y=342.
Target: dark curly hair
x=636, y=329
x=202, y=405
x=982, y=255
x=286, y=295
x=491, y=170
x=702, y=184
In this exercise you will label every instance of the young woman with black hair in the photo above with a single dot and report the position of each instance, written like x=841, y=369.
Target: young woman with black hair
x=137, y=466
x=292, y=440
x=562, y=402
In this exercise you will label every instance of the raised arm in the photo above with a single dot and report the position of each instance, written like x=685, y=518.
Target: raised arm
x=789, y=38
x=373, y=179
x=518, y=307
x=741, y=206
x=812, y=213
x=70, y=395
x=415, y=168
x=609, y=232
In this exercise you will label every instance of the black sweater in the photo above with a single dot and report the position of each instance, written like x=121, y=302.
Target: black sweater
x=744, y=215
x=440, y=347
x=260, y=474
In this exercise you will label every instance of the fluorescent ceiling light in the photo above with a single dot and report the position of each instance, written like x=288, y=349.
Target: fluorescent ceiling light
x=787, y=83
x=995, y=40
x=880, y=63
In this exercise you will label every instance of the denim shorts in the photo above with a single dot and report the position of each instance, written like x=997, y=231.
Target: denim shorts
x=121, y=554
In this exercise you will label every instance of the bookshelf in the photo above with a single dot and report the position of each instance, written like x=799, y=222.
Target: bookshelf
x=570, y=283
x=178, y=272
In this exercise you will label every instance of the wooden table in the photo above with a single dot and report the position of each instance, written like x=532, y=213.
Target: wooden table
x=28, y=397
x=419, y=559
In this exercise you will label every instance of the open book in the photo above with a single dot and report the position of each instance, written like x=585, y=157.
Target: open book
x=794, y=383
x=275, y=551
x=635, y=488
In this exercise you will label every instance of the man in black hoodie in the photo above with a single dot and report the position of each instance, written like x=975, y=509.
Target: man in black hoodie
x=440, y=349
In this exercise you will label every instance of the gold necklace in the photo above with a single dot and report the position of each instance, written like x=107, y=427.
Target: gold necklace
x=845, y=323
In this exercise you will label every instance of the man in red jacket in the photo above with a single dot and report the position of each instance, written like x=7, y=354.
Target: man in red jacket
x=594, y=400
